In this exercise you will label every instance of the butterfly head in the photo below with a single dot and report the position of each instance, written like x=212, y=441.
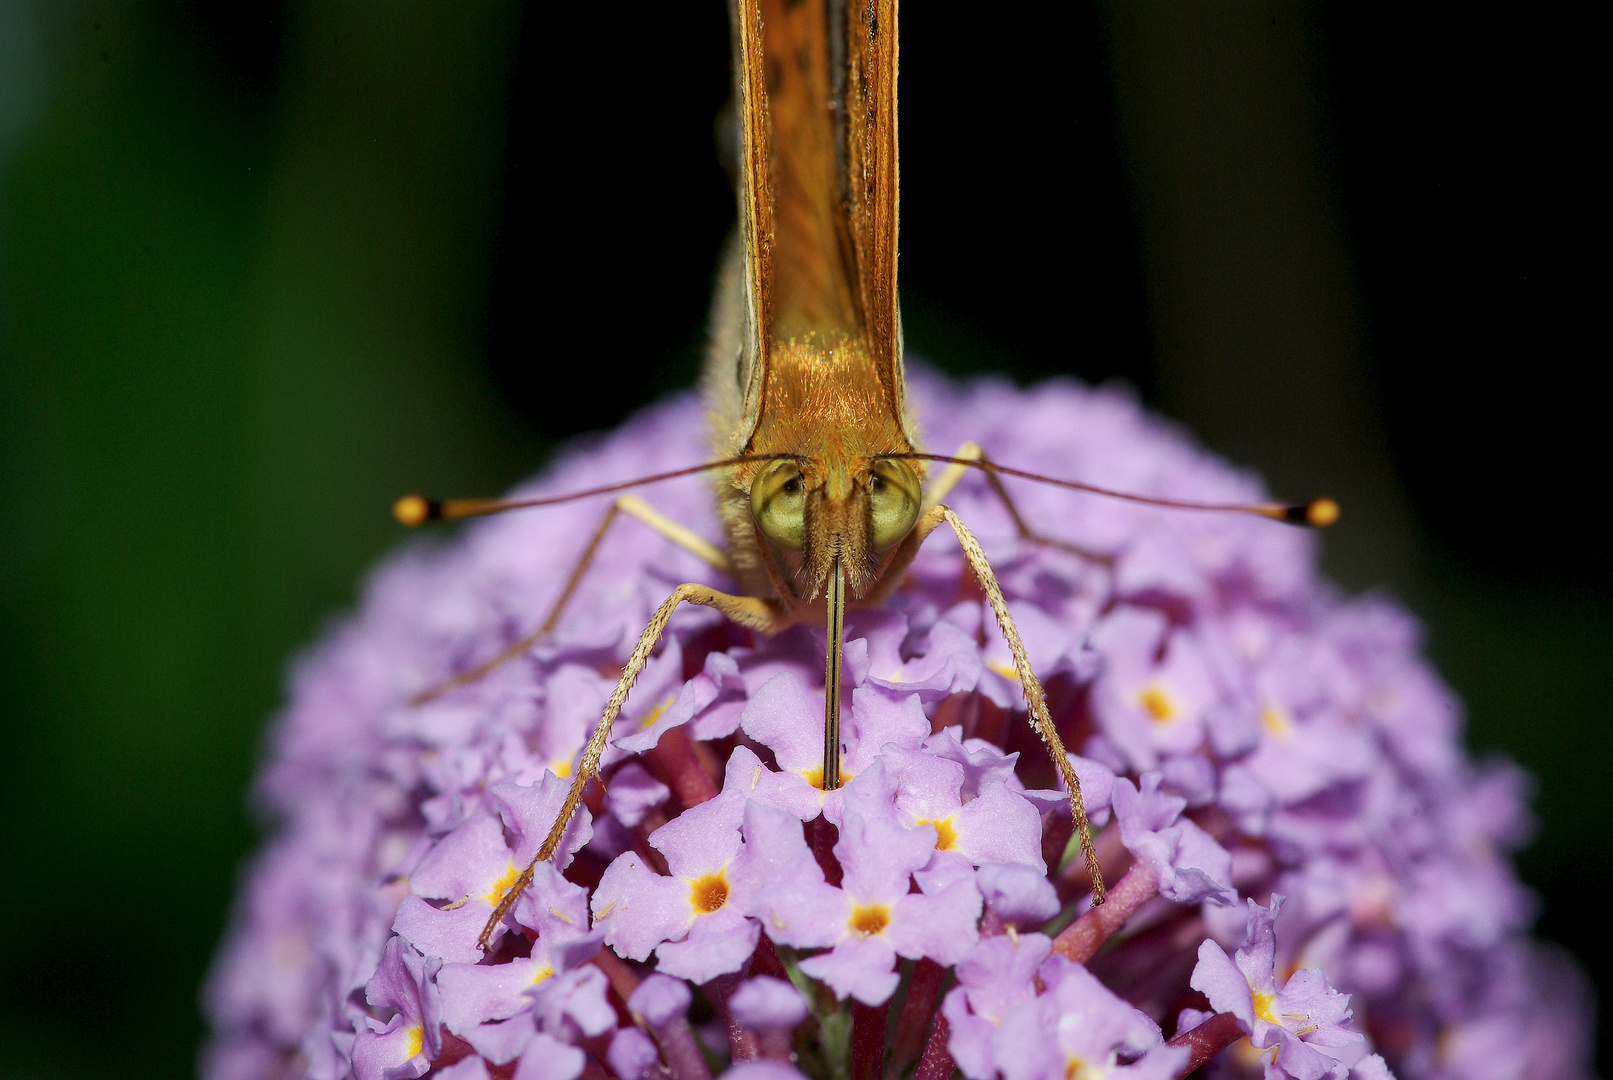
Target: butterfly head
x=814, y=509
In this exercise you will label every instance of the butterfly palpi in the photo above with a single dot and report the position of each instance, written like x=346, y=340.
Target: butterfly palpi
x=821, y=486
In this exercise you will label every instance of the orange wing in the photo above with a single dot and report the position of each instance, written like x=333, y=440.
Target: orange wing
x=871, y=177
x=816, y=89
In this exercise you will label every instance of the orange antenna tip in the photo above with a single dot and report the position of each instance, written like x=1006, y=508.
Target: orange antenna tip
x=1321, y=513
x=412, y=510
x=1317, y=514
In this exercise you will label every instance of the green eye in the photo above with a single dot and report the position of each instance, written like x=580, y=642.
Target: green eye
x=778, y=503
x=893, y=491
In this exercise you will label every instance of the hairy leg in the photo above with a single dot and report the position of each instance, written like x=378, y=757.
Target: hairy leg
x=1041, y=720
x=748, y=611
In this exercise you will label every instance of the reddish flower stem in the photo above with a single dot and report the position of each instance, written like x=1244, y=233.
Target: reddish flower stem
x=822, y=834
x=1207, y=1040
x=868, y=1023
x=936, y=1064
x=594, y=1067
x=676, y=754
x=765, y=961
x=623, y=979
x=914, y=1022
x=1082, y=938
x=680, y=1051
x=1056, y=833
x=991, y=719
x=773, y=1044
x=742, y=1041
x=454, y=1050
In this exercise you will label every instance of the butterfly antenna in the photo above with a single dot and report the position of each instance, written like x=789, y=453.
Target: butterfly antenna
x=1316, y=514
x=414, y=510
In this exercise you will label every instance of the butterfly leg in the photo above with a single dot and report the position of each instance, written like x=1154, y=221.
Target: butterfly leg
x=632, y=505
x=1036, y=701
x=971, y=451
x=748, y=611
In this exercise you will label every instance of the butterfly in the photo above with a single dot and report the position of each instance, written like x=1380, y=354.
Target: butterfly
x=825, y=493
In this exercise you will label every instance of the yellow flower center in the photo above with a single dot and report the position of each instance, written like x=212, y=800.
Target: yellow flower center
x=502, y=885
x=707, y=894
x=1276, y=721
x=1003, y=668
x=946, y=835
x=1263, y=1007
x=1076, y=1069
x=1157, y=704
x=868, y=921
x=655, y=714
x=416, y=1043
x=814, y=776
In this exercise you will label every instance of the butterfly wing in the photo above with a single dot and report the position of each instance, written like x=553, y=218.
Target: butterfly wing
x=870, y=183
x=815, y=89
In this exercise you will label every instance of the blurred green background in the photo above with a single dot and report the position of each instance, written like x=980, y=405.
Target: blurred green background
x=263, y=267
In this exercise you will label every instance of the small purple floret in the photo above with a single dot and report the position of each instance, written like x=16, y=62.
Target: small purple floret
x=1304, y=1020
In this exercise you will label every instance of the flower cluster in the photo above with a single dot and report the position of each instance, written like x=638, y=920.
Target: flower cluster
x=1273, y=772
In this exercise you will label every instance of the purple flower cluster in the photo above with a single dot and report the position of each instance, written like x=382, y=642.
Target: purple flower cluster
x=1273, y=771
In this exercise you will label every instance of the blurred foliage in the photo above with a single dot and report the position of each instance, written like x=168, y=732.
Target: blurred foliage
x=245, y=284
x=265, y=267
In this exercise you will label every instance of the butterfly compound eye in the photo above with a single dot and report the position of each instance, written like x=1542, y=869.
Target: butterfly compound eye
x=778, y=503
x=893, y=492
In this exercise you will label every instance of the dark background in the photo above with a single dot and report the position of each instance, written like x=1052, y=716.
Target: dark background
x=265, y=267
